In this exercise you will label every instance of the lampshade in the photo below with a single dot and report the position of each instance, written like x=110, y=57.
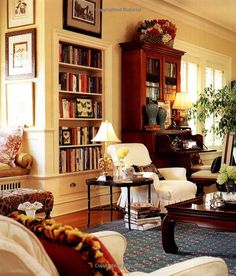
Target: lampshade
x=182, y=101
x=106, y=133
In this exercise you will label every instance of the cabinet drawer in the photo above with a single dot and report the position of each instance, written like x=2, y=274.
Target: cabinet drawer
x=71, y=185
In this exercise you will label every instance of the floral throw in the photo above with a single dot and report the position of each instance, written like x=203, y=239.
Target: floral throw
x=10, y=142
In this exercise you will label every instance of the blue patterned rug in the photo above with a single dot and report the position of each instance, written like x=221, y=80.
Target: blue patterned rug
x=145, y=252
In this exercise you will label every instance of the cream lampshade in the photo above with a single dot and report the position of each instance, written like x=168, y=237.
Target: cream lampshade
x=105, y=134
x=182, y=103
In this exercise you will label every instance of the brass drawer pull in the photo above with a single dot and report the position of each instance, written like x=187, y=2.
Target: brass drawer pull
x=72, y=185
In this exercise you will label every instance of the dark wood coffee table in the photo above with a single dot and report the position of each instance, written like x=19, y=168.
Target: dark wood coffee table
x=195, y=211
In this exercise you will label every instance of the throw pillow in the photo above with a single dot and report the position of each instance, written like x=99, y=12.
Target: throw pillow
x=72, y=251
x=149, y=168
x=215, y=166
x=10, y=142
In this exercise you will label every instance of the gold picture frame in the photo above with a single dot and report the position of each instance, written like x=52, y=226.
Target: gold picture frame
x=20, y=13
x=20, y=54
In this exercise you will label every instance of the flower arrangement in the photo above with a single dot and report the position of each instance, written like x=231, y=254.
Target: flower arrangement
x=226, y=173
x=161, y=31
x=122, y=152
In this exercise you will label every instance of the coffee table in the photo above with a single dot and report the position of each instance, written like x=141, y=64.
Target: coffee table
x=196, y=211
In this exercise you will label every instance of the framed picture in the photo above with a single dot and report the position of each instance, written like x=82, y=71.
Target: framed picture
x=84, y=107
x=20, y=54
x=166, y=106
x=66, y=137
x=83, y=16
x=20, y=13
x=20, y=103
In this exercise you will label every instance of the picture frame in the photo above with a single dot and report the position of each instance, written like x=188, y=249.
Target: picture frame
x=166, y=105
x=20, y=54
x=20, y=13
x=83, y=16
x=66, y=137
x=84, y=108
x=20, y=104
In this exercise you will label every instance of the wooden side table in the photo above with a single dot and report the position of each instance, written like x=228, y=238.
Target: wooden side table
x=139, y=181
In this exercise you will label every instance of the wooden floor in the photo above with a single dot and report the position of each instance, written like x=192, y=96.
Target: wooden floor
x=80, y=219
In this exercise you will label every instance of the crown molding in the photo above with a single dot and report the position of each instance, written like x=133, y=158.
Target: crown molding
x=166, y=8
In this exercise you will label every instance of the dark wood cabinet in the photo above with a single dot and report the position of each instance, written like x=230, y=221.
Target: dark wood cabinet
x=152, y=73
x=149, y=73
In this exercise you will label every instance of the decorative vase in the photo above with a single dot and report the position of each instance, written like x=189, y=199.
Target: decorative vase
x=30, y=213
x=152, y=110
x=162, y=114
x=230, y=186
x=119, y=171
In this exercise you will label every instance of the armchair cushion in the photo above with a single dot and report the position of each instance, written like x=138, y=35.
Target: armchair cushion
x=10, y=142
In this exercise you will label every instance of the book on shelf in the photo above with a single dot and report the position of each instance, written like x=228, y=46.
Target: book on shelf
x=143, y=227
x=80, y=55
x=79, y=159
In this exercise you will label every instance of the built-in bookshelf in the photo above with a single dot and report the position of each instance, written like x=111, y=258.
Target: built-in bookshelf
x=80, y=84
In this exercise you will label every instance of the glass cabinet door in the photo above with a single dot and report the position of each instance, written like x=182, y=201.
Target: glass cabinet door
x=170, y=81
x=152, y=80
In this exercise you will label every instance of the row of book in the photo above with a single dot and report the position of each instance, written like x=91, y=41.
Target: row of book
x=171, y=70
x=78, y=135
x=80, y=55
x=80, y=108
x=80, y=83
x=152, y=67
x=79, y=159
x=143, y=219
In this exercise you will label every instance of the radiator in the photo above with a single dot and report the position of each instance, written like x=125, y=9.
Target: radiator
x=10, y=186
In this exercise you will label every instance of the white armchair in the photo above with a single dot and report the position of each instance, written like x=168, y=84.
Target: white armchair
x=173, y=189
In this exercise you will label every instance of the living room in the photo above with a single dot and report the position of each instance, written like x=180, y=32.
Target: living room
x=205, y=42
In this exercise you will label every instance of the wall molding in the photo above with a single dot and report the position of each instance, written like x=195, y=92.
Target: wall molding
x=170, y=10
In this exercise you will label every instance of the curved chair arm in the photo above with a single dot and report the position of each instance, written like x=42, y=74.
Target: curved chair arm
x=24, y=160
x=116, y=244
x=174, y=173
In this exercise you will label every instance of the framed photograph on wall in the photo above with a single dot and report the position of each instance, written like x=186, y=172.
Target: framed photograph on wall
x=83, y=16
x=84, y=107
x=20, y=13
x=20, y=104
x=20, y=54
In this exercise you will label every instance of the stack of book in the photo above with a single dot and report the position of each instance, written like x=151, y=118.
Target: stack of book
x=142, y=218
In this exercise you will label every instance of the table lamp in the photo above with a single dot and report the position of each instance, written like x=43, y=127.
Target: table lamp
x=182, y=103
x=105, y=134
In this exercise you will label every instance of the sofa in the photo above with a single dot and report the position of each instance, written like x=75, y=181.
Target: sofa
x=22, y=253
x=23, y=163
x=13, y=162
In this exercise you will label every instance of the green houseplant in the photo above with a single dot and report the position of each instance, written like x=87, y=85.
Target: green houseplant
x=219, y=104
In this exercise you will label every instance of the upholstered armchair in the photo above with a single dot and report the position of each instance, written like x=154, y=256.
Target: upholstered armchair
x=173, y=188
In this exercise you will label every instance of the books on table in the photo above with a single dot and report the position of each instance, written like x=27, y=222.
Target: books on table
x=142, y=218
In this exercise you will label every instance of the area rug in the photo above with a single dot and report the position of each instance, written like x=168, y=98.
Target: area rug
x=145, y=252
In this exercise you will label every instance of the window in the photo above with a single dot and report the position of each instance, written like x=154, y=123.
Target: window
x=214, y=78
x=199, y=70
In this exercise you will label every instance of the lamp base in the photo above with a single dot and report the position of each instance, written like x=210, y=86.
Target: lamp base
x=104, y=164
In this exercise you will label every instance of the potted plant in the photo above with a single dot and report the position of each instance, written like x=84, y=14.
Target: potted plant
x=219, y=104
